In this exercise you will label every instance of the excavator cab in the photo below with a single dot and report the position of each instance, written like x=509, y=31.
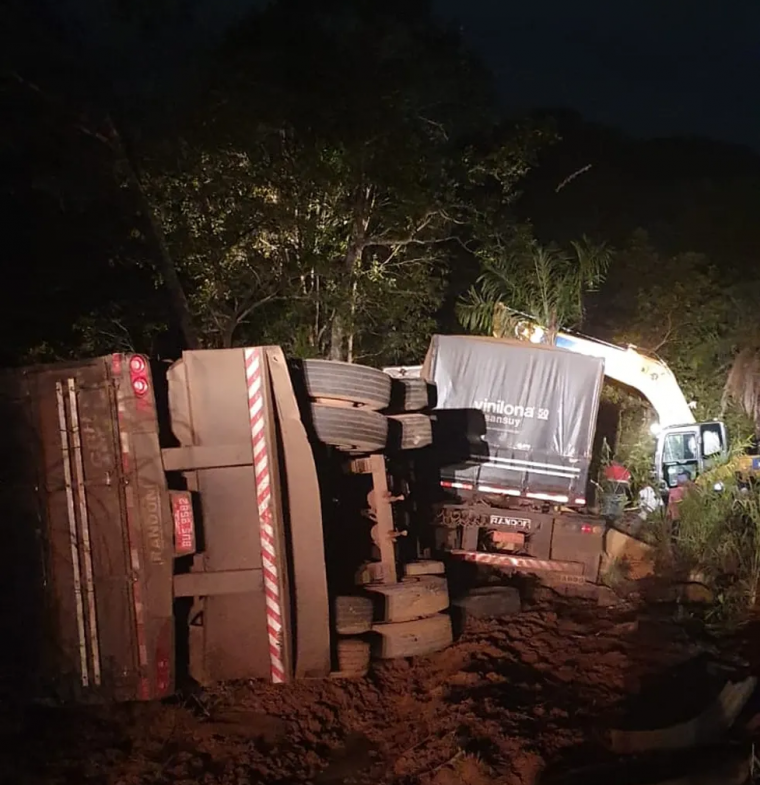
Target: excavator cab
x=693, y=449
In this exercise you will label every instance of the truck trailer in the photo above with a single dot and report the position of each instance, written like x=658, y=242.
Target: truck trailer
x=145, y=513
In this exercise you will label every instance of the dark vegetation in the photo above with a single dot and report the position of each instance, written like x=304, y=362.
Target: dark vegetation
x=334, y=177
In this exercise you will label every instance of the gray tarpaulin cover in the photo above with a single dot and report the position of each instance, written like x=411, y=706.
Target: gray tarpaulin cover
x=529, y=412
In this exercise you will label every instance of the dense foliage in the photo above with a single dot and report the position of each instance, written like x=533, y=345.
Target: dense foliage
x=338, y=178
x=521, y=277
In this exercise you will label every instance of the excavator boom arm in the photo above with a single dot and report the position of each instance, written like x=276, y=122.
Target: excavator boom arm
x=649, y=375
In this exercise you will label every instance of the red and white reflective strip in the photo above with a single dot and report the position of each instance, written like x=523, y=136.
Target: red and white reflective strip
x=462, y=486
x=261, y=467
x=526, y=564
x=132, y=537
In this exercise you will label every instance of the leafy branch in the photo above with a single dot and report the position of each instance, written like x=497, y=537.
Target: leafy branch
x=548, y=283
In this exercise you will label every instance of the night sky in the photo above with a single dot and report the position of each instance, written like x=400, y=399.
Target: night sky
x=651, y=67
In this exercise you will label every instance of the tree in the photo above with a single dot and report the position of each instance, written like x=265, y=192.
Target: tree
x=522, y=278
x=272, y=237
x=315, y=196
x=679, y=308
x=742, y=385
x=313, y=190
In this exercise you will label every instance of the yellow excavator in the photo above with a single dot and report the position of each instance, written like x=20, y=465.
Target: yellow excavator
x=701, y=450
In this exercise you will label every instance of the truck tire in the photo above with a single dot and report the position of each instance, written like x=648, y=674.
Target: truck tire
x=416, y=431
x=353, y=657
x=489, y=602
x=424, y=567
x=340, y=381
x=413, y=638
x=413, y=394
x=414, y=598
x=349, y=430
x=353, y=615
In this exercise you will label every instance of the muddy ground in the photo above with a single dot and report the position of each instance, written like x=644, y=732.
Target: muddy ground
x=511, y=702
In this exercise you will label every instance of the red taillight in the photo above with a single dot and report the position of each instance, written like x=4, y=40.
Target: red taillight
x=586, y=529
x=137, y=365
x=138, y=375
x=140, y=385
x=163, y=675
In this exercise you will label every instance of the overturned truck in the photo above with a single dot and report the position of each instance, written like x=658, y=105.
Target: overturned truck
x=165, y=521
x=234, y=515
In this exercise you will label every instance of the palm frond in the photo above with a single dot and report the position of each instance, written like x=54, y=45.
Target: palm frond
x=743, y=384
x=476, y=313
x=546, y=282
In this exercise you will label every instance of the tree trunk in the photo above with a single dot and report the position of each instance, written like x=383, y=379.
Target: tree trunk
x=339, y=335
x=551, y=330
x=228, y=334
x=168, y=271
x=342, y=334
x=352, y=333
x=164, y=263
x=337, y=338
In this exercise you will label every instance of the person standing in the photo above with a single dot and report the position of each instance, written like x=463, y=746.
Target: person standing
x=675, y=497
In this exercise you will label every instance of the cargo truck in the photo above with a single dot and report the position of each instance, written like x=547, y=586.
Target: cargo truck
x=515, y=423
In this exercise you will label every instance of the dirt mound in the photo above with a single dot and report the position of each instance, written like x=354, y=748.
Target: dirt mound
x=510, y=698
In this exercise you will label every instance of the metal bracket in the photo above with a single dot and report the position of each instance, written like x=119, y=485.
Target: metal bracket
x=379, y=499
